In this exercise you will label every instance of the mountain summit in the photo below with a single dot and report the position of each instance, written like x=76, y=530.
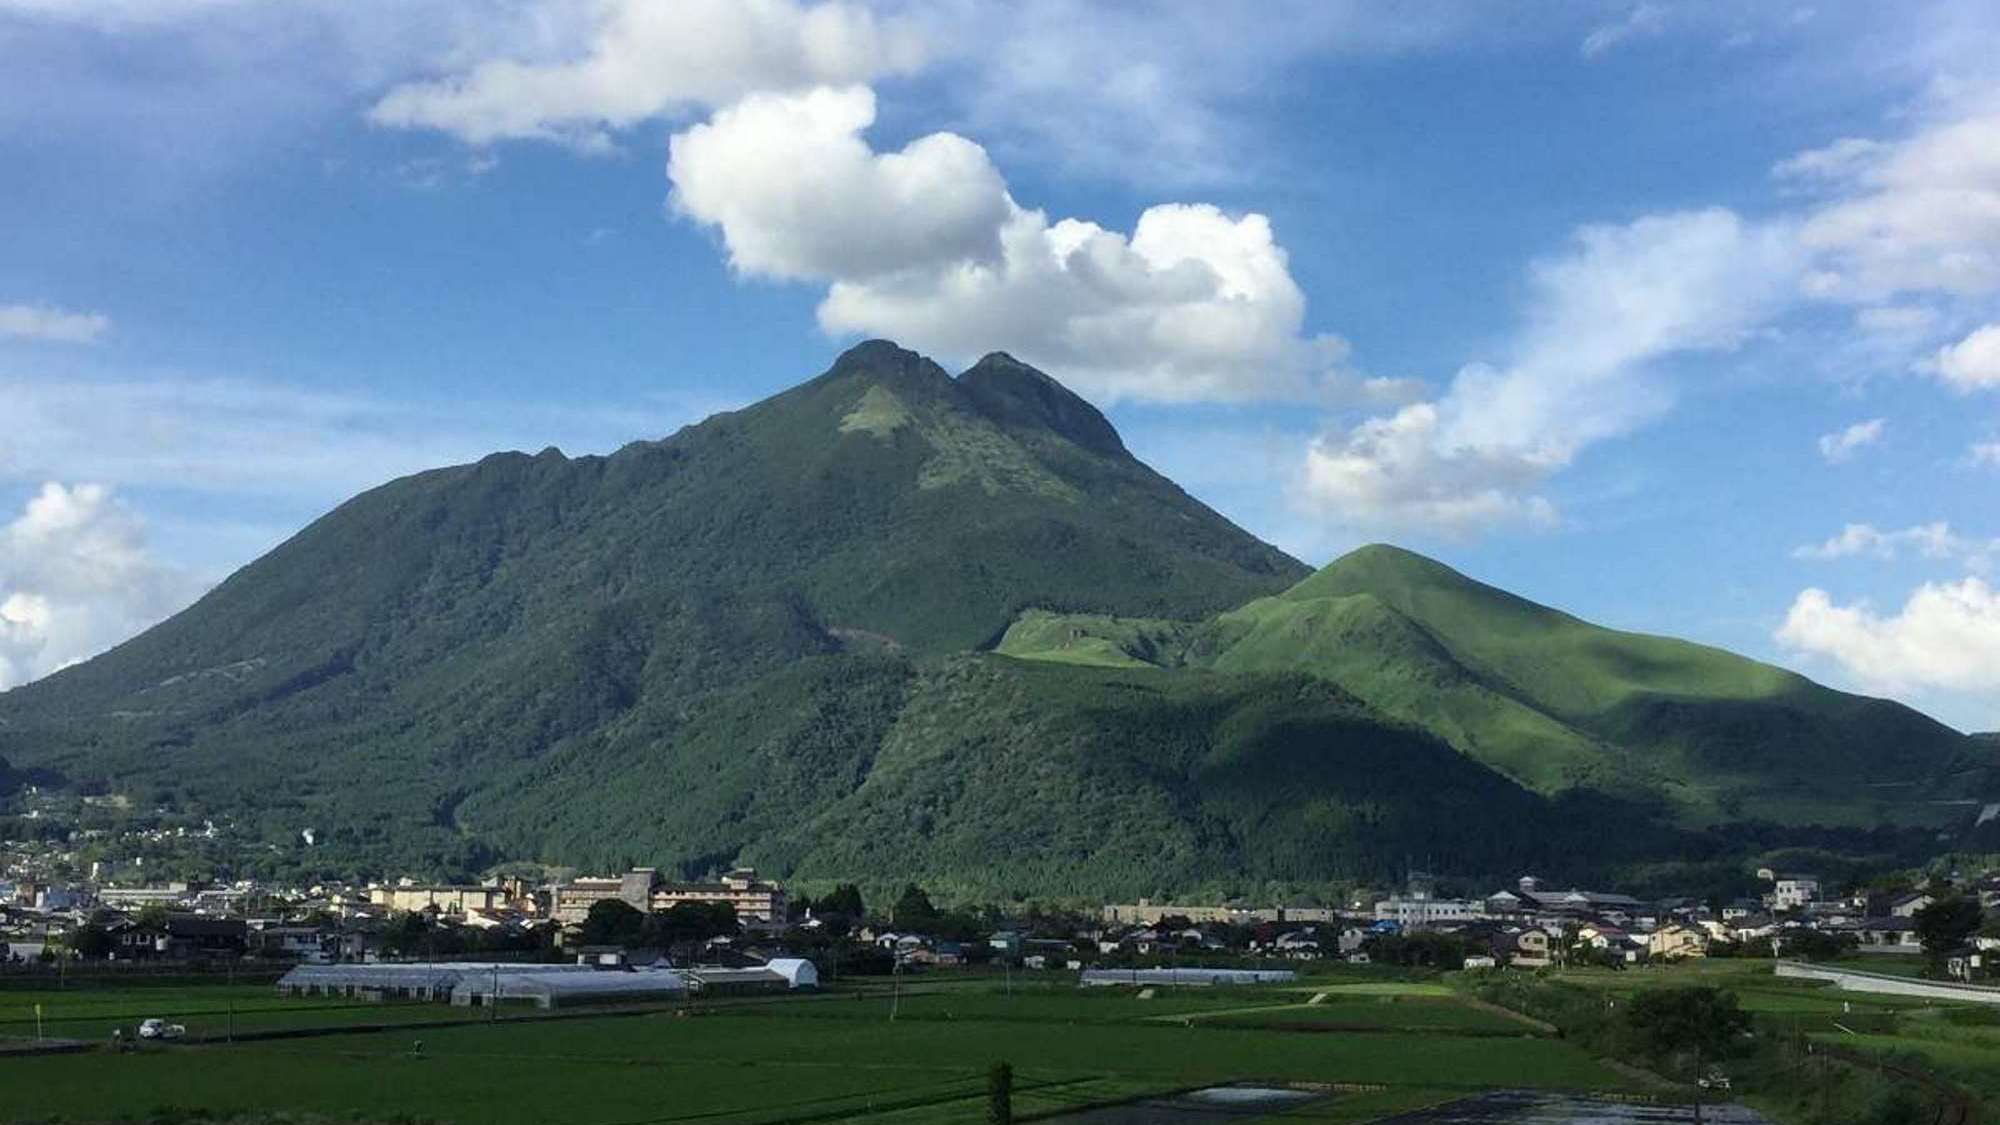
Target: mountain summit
x=765, y=639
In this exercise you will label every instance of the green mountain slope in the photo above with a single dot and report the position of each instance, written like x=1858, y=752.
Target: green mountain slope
x=1555, y=702
x=434, y=636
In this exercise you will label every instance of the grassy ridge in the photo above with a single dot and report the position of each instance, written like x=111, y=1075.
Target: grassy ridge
x=1556, y=703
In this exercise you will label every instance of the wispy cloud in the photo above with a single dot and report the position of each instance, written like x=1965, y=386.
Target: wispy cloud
x=1601, y=314
x=1644, y=20
x=49, y=323
x=240, y=437
x=1932, y=540
x=1841, y=445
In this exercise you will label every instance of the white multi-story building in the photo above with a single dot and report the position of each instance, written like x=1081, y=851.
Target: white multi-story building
x=1420, y=911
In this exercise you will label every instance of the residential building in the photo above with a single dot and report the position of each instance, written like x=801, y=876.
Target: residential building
x=1789, y=892
x=1888, y=935
x=1420, y=911
x=754, y=899
x=442, y=898
x=1529, y=948
x=134, y=898
x=1675, y=942
x=1146, y=912
x=570, y=902
x=1907, y=905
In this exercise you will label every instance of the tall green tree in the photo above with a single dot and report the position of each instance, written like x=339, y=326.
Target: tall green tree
x=1700, y=1023
x=90, y=941
x=913, y=910
x=844, y=899
x=613, y=921
x=692, y=921
x=1701, y=1020
x=1948, y=923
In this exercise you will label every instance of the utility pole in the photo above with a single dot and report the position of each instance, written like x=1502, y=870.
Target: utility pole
x=896, y=997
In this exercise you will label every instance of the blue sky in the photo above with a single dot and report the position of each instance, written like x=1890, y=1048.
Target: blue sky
x=1677, y=316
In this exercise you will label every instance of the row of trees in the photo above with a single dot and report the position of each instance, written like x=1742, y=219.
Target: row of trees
x=616, y=922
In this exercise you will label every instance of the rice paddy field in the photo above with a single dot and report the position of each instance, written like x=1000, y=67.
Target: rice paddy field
x=1959, y=1043
x=1373, y=1048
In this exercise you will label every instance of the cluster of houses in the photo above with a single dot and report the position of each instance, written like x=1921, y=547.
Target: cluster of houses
x=333, y=923
x=1531, y=925
x=1526, y=925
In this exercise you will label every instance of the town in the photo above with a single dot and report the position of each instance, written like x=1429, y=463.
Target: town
x=739, y=920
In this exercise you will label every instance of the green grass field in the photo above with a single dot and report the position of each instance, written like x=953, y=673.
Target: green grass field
x=205, y=1010
x=822, y=1058
x=1406, y=1015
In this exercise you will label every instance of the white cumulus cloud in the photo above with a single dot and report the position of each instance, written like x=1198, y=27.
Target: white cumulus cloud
x=1946, y=636
x=1841, y=444
x=1973, y=363
x=76, y=577
x=798, y=194
x=925, y=245
x=1984, y=453
x=1393, y=471
x=46, y=322
x=1623, y=297
x=644, y=59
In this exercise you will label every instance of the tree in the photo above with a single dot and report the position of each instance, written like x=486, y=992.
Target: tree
x=612, y=921
x=845, y=900
x=692, y=921
x=1816, y=945
x=1947, y=924
x=913, y=911
x=408, y=932
x=1000, y=1095
x=1700, y=1020
x=90, y=941
x=1419, y=947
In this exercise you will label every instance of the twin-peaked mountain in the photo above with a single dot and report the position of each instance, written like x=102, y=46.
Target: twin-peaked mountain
x=892, y=623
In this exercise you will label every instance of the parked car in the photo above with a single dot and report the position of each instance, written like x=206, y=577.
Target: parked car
x=161, y=1029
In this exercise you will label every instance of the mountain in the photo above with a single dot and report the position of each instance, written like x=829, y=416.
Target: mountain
x=448, y=635
x=1556, y=703
x=892, y=623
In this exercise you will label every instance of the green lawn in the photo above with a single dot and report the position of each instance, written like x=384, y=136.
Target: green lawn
x=832, y=1056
